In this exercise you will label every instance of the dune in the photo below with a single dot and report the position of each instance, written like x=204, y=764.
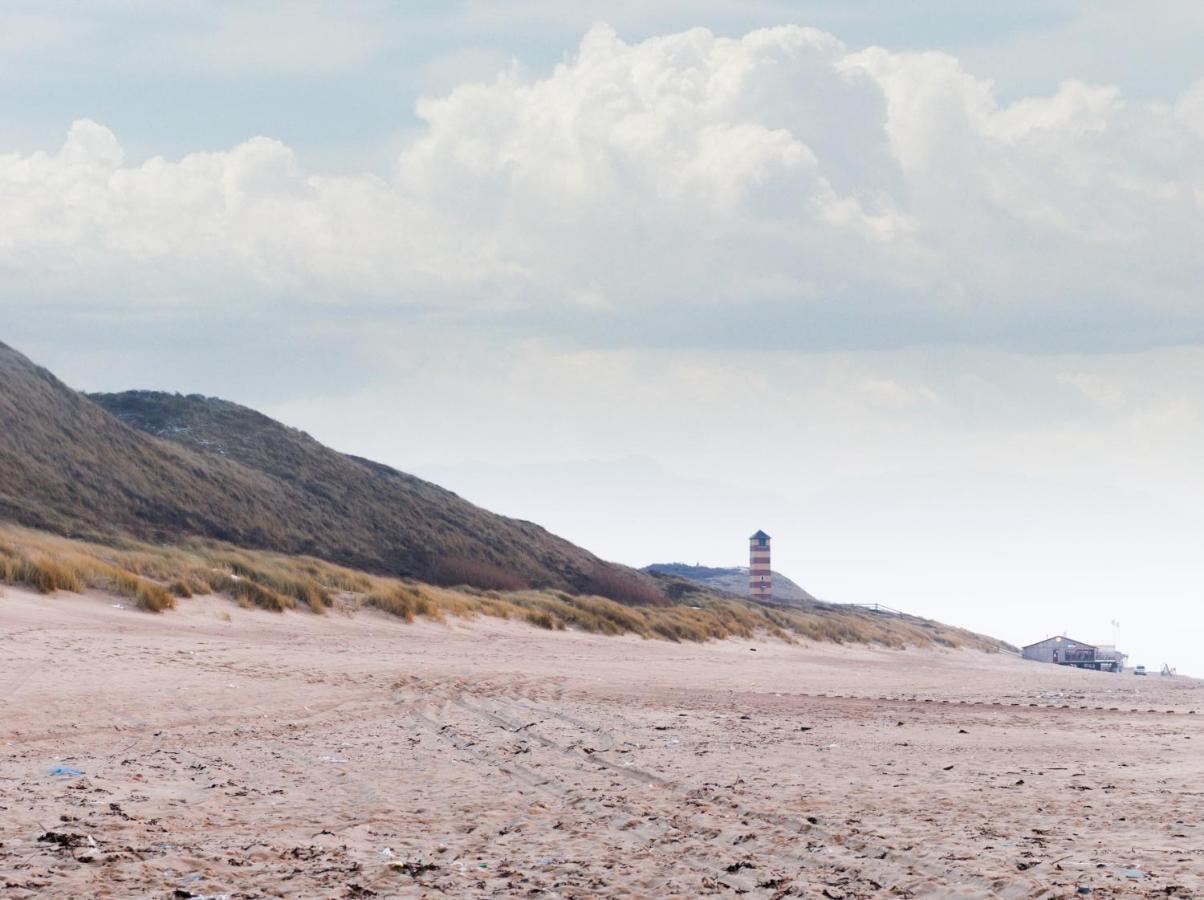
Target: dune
x=224, y=751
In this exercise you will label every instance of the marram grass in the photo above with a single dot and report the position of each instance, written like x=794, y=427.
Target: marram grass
x=156, y=578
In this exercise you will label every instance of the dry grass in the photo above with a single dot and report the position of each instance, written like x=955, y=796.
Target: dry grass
x=49, y=564
x=155, y=576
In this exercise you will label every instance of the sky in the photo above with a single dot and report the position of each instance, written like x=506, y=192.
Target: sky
x=912, y=286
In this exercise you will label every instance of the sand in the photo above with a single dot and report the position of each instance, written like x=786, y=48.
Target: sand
x=238, y=753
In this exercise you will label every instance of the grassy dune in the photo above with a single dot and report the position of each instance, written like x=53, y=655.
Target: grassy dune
x=156, y=578
x=163, y=468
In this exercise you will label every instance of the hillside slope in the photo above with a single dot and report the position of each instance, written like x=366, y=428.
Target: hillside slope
x=733, y=580
x=216, y=469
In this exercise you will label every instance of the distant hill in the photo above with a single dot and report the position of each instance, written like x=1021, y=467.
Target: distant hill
x=733, y=580
x=162, y=466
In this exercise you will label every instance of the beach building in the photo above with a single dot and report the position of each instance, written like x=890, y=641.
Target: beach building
x=760, y=578
x=1109, y=658
x=1064, y=651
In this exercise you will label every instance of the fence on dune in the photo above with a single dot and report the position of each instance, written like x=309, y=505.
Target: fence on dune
x=878, y=608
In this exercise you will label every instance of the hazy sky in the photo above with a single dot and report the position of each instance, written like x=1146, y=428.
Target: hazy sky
x=913, y=286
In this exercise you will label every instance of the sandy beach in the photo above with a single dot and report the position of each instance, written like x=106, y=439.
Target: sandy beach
x=236, y=753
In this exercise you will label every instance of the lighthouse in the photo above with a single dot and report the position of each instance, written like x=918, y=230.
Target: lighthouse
x=760, y=579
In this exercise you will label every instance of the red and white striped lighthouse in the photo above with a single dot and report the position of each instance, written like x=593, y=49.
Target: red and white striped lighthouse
x=760, y=579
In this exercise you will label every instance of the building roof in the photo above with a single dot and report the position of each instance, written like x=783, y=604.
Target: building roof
x=1061, y=637
x=760, y=535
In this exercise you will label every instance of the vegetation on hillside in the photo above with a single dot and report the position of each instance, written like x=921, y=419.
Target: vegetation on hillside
x=157, y=577
x=164, y=468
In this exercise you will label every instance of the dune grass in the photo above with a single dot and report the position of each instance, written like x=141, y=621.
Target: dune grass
x=157, y=577
x=48, y=564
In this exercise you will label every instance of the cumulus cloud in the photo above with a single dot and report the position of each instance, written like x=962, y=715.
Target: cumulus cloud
x=837, y=195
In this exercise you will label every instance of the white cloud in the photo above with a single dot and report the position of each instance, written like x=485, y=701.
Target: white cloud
x=1190, y=108
x=778, y=173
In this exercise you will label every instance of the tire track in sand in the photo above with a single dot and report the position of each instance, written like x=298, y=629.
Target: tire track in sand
x=883, y=868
